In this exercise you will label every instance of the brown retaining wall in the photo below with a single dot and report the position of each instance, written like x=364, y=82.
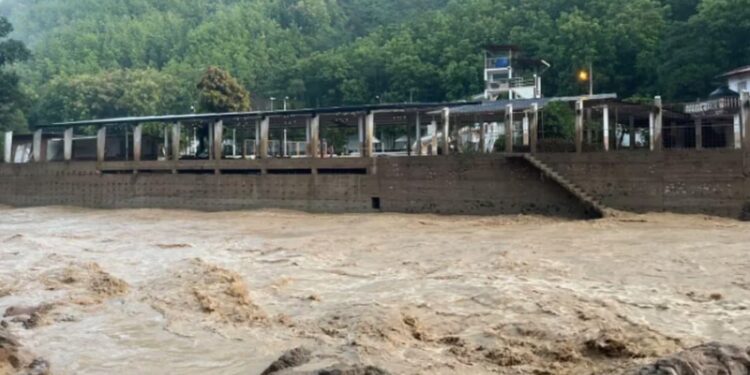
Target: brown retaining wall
x=490, y=184
x=711, y=182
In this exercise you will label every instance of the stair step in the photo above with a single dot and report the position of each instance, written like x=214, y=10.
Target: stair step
x=579, y=193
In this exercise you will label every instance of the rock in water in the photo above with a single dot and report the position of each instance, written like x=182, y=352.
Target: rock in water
x=352, y=370
x=293, y=358
x=709, y=359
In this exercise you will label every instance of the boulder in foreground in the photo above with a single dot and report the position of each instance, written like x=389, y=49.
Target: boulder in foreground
x=708, y=359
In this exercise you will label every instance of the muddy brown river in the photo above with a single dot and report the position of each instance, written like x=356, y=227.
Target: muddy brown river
x=162, y=291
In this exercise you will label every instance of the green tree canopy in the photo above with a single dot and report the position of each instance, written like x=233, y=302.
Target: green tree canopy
x=332, y=52
x=220, y=92
x=12, y=98
x=117, y=93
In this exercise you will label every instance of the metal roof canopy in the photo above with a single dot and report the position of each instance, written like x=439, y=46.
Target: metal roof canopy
x=399, y=107
x=499, y=106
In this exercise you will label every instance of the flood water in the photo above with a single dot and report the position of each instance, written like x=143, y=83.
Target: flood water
x=155, y=291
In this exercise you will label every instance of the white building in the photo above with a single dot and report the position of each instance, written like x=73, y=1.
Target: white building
x=738, y=80
x=508, y=75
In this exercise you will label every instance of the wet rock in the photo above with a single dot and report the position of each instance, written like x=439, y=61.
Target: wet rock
x=14, y=311
x=352, y=370
x=293, y=358
x=12, y=358
x=508, y=356
x=38, y=367
x=15, y=360
x=30, y=316
x=709, y=359
x=633, y=343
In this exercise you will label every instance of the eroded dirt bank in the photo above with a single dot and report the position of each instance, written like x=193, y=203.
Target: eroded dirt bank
x=141, y=291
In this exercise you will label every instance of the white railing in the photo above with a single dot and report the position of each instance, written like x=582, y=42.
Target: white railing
x=728, y=104
x=511, y=83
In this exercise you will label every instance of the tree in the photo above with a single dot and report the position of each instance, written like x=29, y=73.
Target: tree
x=334, y=52
x=558, y=121
x=220, y=92
x=117, y=93
x=711, y=42
x=12, y=99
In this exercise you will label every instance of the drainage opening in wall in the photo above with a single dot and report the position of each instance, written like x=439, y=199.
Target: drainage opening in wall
x=375, y=203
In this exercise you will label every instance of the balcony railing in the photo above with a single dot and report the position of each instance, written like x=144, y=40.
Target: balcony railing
x=714, y=106
x=507, y=84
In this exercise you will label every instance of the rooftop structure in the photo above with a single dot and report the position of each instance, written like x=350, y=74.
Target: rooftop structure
x=509, y=75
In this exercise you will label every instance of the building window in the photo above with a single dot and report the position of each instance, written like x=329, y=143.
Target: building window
x=741, y=86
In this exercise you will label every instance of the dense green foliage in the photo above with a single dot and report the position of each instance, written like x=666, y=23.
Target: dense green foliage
x=331, y=52
x=111, y=93
x=220, y=92
x=12, y=99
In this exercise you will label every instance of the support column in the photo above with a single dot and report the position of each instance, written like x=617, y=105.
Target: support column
x=618, y=139
x=361, y=133
x=651, y=121
x=234, y=142
x=658, y=117
x=525, y=128
x=244, y=148
x=8, y=147
x=313, y=136
x=589, y=129
x=368, y=149
x=631, y=131
x=737, y=131
x=256, y=149
x=605, y=127
x=176, y=135
x=137, y=142
x=509, y=128
x=534, y=127
x=68, y=144
x=419, y=135
x=579, y=126
x=101, y=143
x=434, y=143
x=283, y=144
x=745, y=109
x=446, y=131
x=265, y=125
x=698, y=133
x=210, y=141
x=127, y=144
x=37, y=146
x=482, y=135
x=218, y=132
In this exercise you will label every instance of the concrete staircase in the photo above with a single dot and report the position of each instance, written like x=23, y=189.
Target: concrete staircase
x=588, y=200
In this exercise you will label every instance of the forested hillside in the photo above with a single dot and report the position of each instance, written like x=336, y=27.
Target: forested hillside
x=148, y=55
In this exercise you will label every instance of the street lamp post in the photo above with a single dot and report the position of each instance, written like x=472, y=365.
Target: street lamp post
x=273, y=99
x=588, y=76
x=286, y=99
